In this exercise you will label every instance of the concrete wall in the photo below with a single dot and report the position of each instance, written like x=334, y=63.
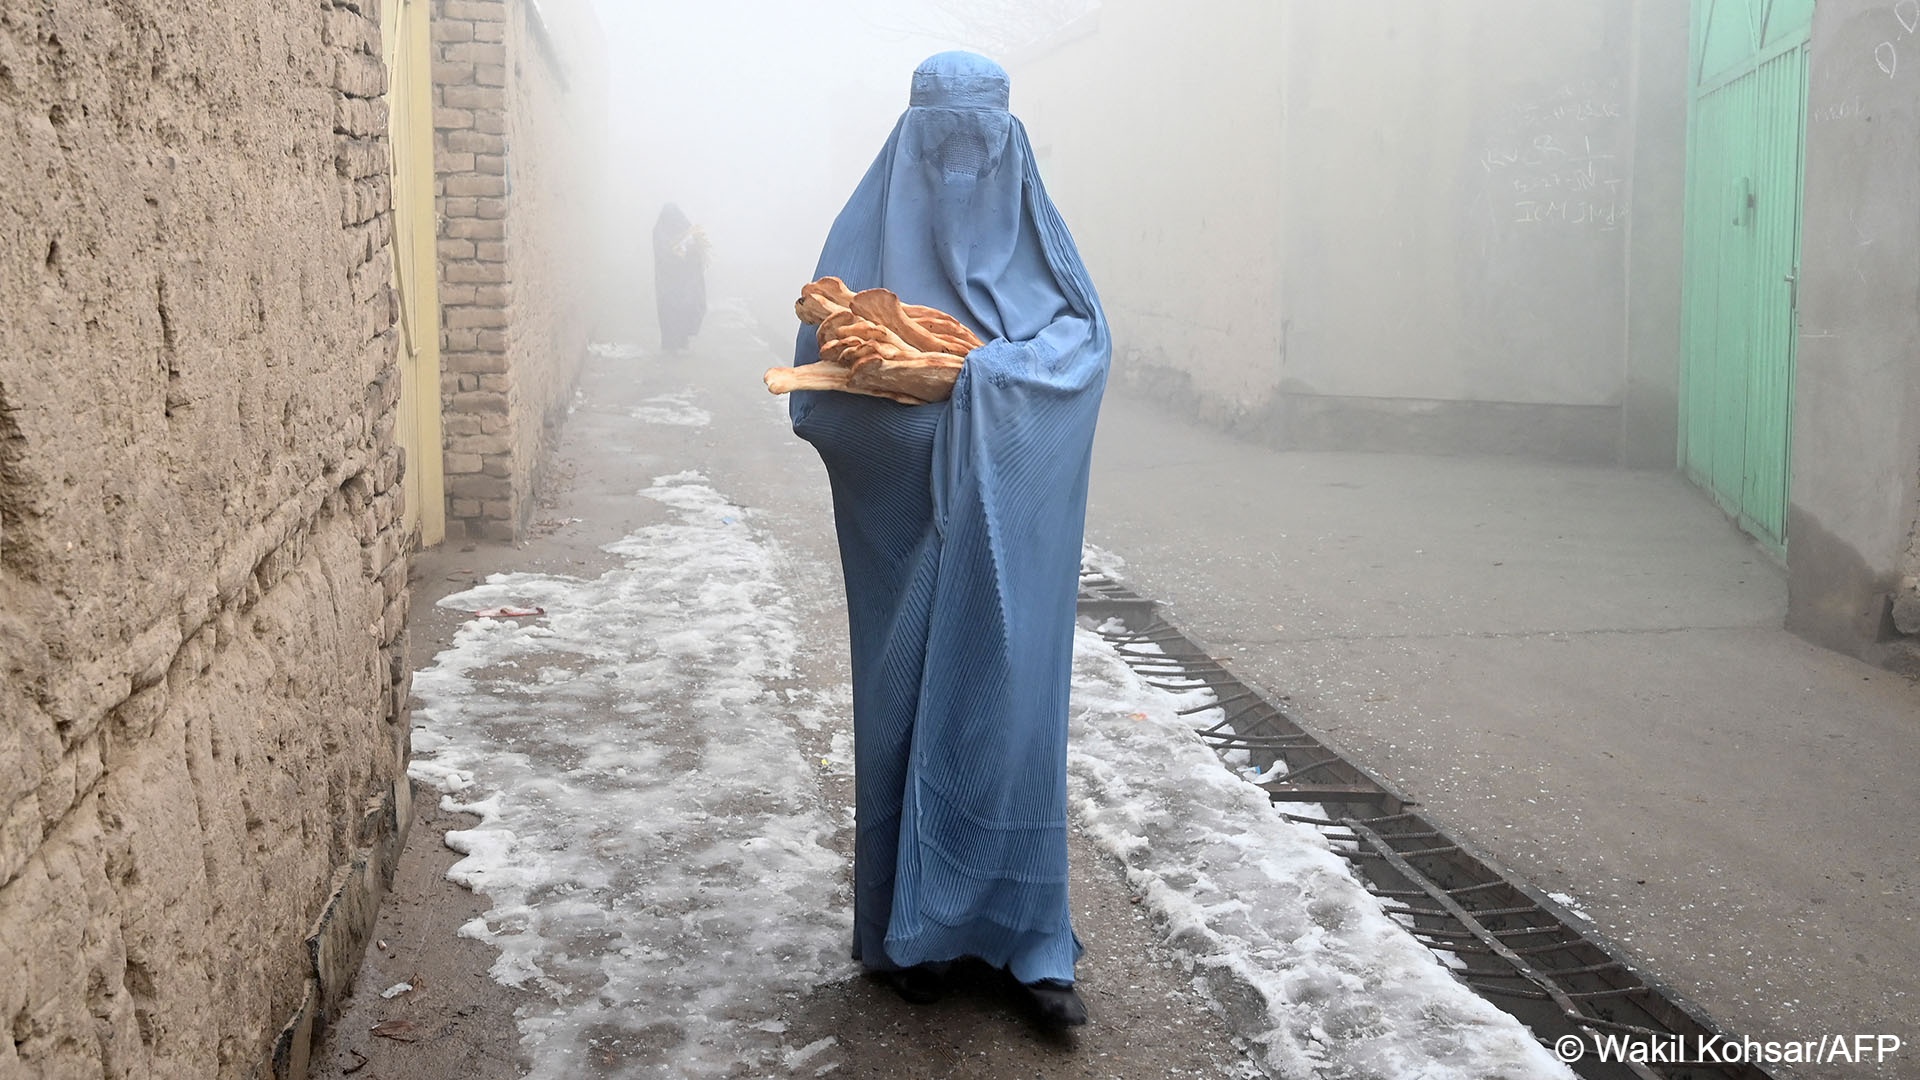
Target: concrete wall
x=1855, y=500
x=202, y=576
x=1396, y=225
x=1650, y=395
x=519, y=90
x=1160, y=137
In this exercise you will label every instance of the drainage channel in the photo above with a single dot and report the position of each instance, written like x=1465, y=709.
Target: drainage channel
x=1505, y=939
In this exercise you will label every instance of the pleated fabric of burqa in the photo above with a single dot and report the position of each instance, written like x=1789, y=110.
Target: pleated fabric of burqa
x=960, y=526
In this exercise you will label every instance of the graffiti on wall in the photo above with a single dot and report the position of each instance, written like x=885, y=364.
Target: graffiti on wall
x=1551, y=161
x=1886, y=55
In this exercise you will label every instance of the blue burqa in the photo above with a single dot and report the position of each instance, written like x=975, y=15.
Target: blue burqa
x=960, y=526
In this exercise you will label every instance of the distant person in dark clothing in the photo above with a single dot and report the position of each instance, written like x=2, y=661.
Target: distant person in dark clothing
x=679, y=277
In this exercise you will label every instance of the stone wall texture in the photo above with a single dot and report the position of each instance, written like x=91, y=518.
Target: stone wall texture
x=518, y=92
x=202, y=571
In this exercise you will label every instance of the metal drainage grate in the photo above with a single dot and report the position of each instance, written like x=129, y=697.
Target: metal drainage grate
x=1505, y=939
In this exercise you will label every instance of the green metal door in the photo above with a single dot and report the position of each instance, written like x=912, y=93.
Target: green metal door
x=1746, y=139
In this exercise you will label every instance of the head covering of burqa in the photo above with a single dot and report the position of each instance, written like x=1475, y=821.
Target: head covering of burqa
x=679, y=278
x=960, y=527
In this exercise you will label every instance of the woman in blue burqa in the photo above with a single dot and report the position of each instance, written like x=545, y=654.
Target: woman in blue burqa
x=960, y=527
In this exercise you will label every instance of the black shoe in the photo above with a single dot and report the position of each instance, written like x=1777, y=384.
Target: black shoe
x=921, y=984
x=1057, y=1003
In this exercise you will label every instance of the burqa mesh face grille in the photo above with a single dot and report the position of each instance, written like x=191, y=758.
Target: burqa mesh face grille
x=964, y=153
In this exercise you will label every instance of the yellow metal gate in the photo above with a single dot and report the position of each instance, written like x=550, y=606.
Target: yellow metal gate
x=407, y=40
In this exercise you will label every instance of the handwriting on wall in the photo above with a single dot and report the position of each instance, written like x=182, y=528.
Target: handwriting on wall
x=1886, y=55
x=1550, y=162
x=1844, y=109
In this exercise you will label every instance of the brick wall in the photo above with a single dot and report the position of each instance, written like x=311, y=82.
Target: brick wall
x=518, y=95
x=202, y=575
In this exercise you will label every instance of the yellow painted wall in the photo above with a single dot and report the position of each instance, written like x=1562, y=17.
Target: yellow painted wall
x=407, y=43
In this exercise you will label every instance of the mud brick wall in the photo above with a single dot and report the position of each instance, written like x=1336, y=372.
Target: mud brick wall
x=202, y=575
x=517, y=95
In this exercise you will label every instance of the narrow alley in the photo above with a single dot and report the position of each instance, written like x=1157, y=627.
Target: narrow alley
x=1488, y=432
x=658, y=754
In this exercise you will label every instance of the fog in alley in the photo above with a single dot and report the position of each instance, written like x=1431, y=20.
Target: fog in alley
x=758, y=118
x=1454, y=373
x=1389, y=228
x=429, y=649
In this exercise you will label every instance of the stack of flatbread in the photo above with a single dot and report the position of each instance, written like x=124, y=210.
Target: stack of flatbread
x=871, y=343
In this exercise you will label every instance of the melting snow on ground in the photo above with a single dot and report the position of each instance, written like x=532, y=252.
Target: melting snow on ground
x=610, y=350
x=1098, y=562
x=651, y=837
x=673, y=409
x=656, y=846
x=1571, y=904
x=1303, y=961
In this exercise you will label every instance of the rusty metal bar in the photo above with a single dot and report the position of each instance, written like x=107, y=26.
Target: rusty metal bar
x=1428, y=835
x=1304, y=819
x=1472, y=934
x=1596, y=995
x=1510, y=991
x=1241, y=713
x=1286, y=742
x=1324, y=793
x=1204, y=685
x=1158, y=662
x=1482, y=912
x=1405, y=854
x=1305, y=768
x=1557, y=972
x=1221, y=704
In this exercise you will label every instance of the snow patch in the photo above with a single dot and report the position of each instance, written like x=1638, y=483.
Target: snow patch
x=652, y=839
x=1572, y=905
x=659, y=856
x=1096, y=561
x=1301, y=960
x=610, y=350
x=677, y=410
